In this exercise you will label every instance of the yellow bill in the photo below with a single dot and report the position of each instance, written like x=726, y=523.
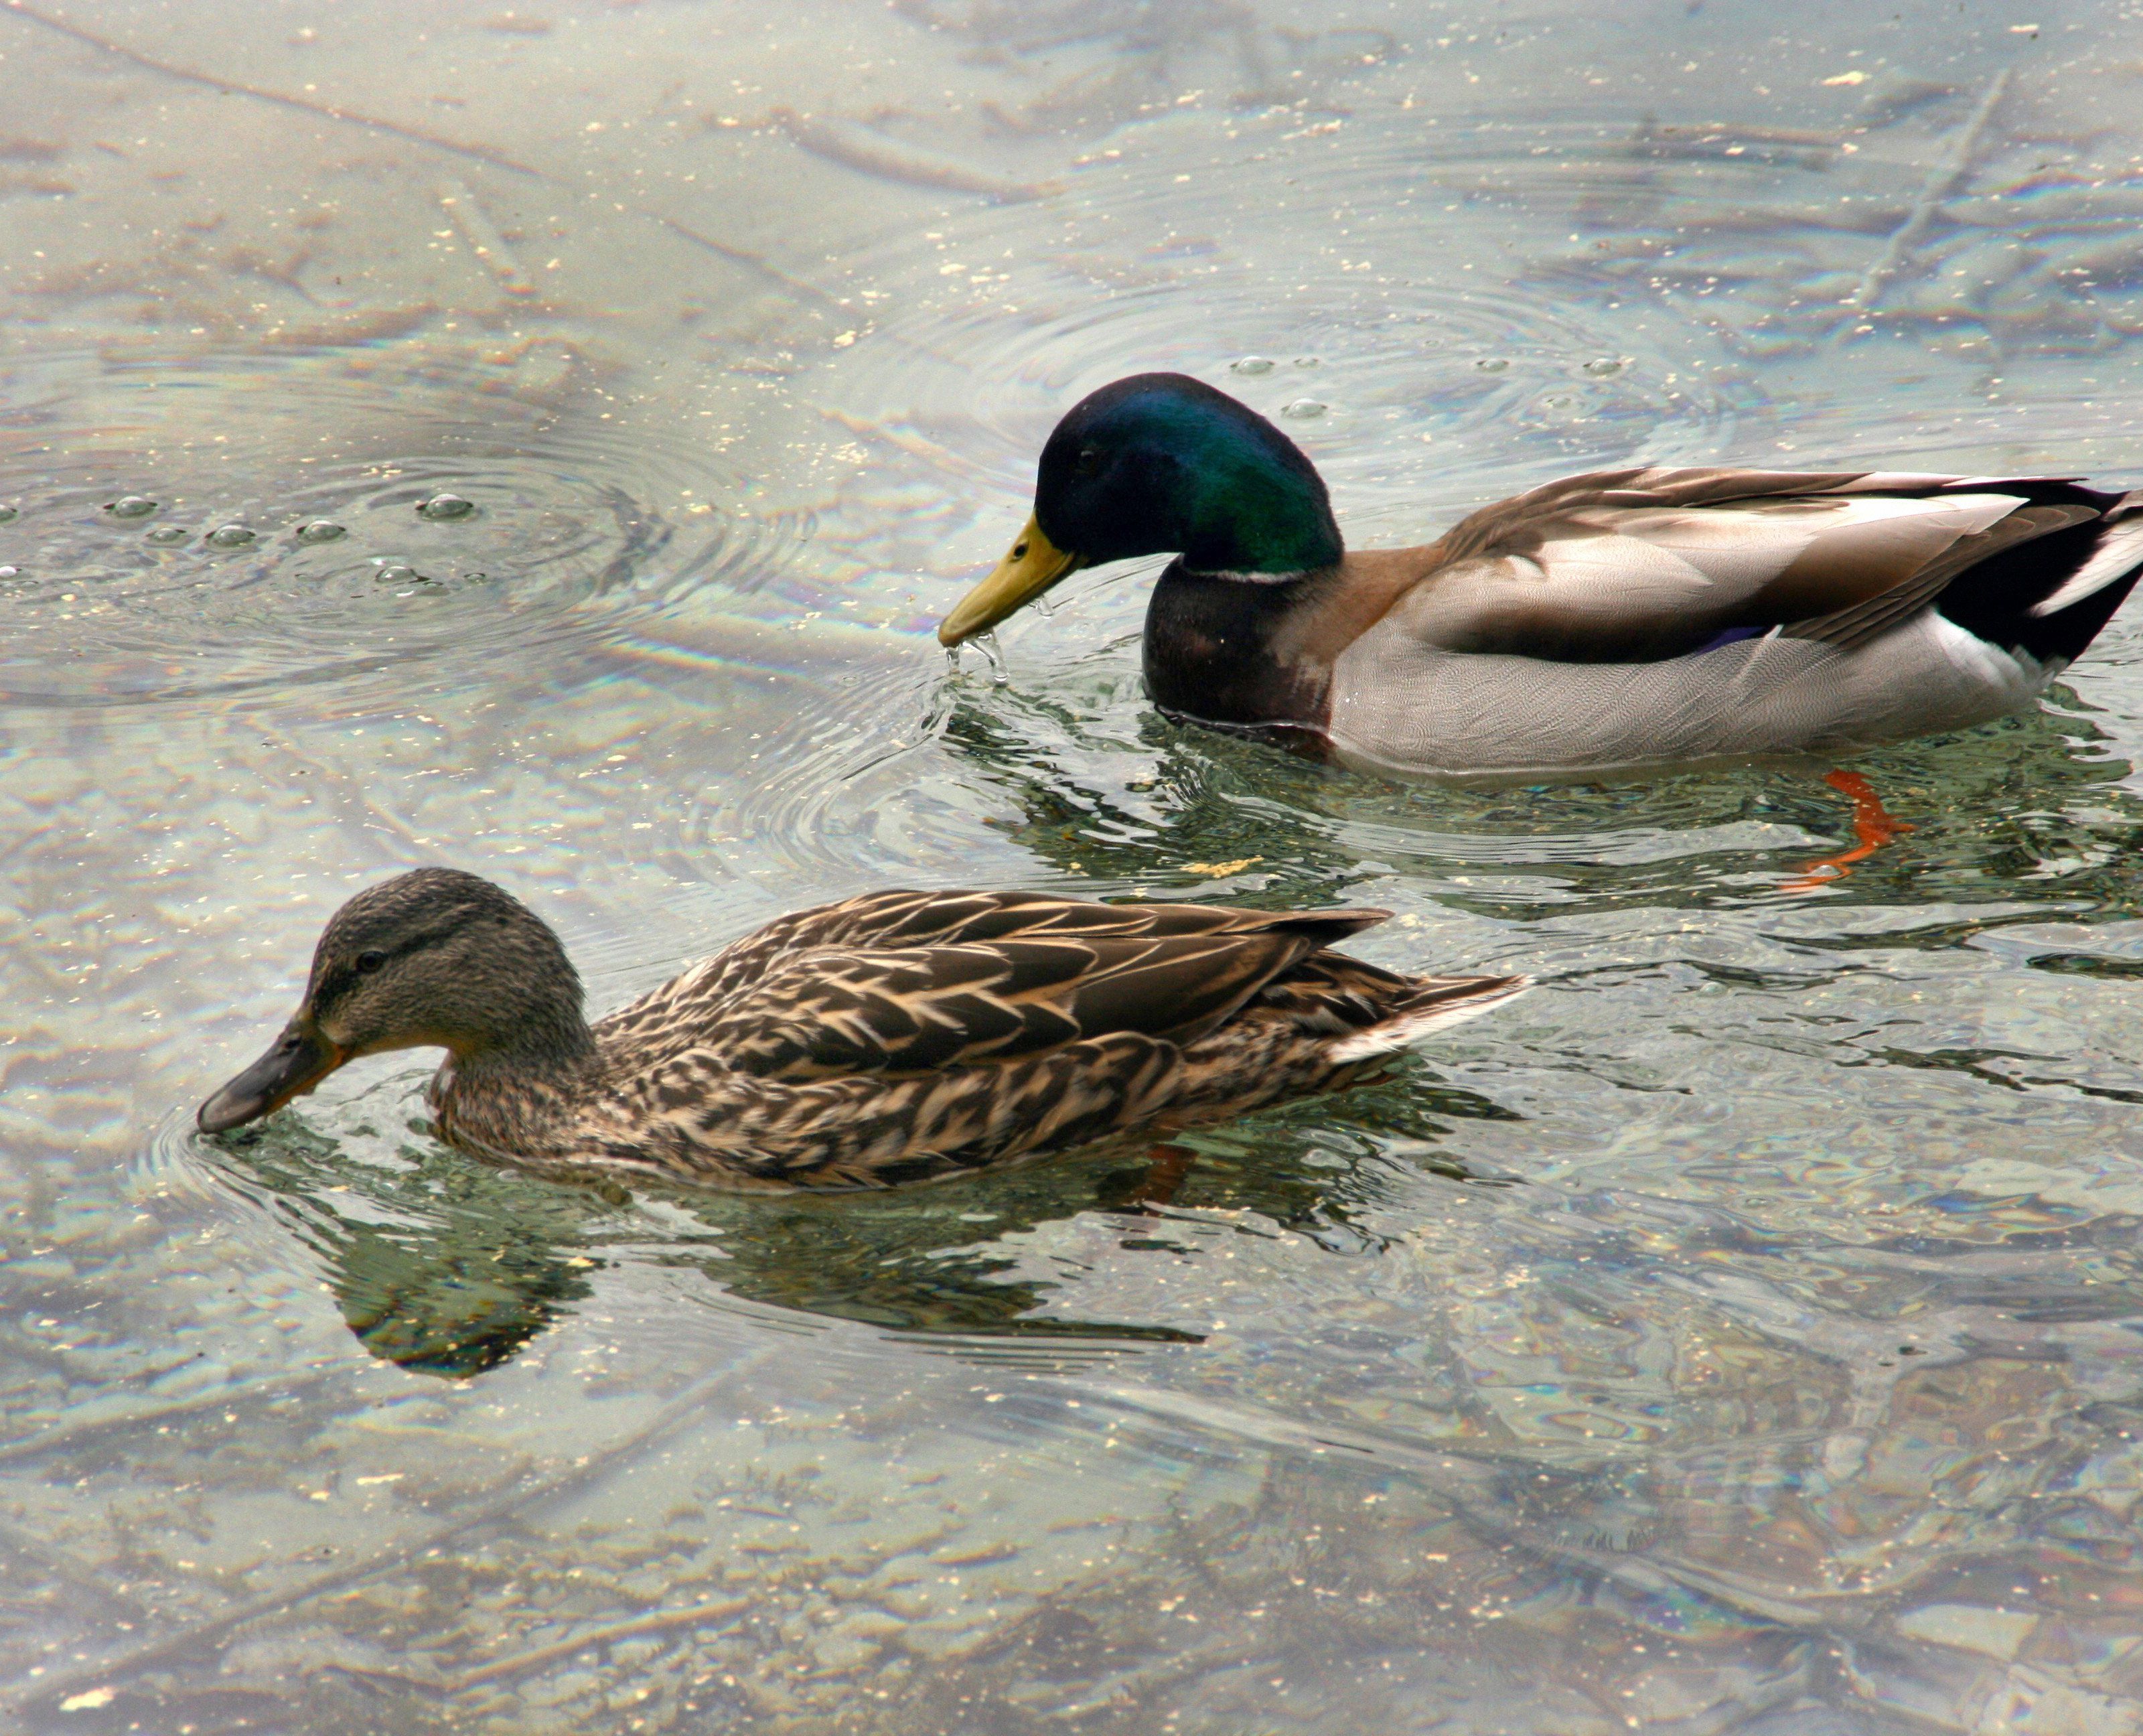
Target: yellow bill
x=1033, y=566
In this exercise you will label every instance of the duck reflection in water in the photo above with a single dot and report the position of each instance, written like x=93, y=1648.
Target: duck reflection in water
x=449, y=1268
x=1106, y=788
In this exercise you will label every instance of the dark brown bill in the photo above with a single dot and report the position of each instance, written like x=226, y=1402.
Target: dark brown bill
x=299, y=1061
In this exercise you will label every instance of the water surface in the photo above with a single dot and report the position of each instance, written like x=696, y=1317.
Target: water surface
x=1740, y=1334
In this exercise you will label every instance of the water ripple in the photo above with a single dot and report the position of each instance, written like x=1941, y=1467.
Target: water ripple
x=286, y=544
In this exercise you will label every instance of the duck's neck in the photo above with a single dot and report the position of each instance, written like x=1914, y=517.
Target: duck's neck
x=1218, y=650
x=1263, y=525
x=1247, y=502
x=519, y=1099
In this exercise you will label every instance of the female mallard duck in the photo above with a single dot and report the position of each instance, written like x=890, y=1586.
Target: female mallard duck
x=896, y=1037
x=1624, y=618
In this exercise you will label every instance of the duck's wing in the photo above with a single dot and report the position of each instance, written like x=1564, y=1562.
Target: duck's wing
x=904, y=918
x=1641, y=564
x=919, y=919
x=905, y=1009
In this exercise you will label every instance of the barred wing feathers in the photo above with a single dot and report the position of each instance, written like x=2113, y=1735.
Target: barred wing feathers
x=912, y=919
x=925, y=1008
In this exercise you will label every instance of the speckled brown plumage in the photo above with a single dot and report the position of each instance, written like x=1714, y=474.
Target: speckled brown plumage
x=890, y=1038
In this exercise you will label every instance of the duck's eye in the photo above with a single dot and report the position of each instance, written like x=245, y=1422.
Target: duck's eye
x=1088, y=462
x=1019, y=551
x=368, y=962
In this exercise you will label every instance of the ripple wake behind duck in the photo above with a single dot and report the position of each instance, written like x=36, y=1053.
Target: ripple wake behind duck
x=1618, y=619
x=894, y=1038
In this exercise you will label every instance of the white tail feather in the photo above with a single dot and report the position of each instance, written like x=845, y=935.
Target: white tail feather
x=2118, y=550
x=1410, y=1028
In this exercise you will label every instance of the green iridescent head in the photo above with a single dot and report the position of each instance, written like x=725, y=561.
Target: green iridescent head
x=1161, y=464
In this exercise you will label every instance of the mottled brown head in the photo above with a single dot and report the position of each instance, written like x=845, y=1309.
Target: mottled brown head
x=433, y=958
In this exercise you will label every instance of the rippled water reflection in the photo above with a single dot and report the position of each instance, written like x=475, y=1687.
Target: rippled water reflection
x=285, y=539
x=1737, y=1334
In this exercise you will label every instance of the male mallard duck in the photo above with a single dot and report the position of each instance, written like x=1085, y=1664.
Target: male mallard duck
x=1624, y=618
x=895, y=1036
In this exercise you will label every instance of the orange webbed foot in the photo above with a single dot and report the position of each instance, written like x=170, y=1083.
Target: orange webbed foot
x=1166, y=1166
x=1873, y=828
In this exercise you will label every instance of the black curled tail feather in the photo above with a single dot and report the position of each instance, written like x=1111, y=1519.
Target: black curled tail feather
x=2015, y=598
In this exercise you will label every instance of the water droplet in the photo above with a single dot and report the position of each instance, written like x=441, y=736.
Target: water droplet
x=1251, y=365
x=1044, y=607
x=131, y=505
x=446, y=506
x=993, y=655
x=952, y=658
x=165, y=535
x=1307, y=361
x=230, y=536
x=399, y=572
x=320, y=530
x=1303, y=409
x=1605, y=365
x=7, y=514
x=1491, y=364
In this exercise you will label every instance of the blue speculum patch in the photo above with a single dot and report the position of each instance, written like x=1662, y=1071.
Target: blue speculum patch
x=1730, y=636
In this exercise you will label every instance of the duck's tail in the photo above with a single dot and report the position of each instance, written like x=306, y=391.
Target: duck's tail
x=1436, y=1003
x=2052, y=595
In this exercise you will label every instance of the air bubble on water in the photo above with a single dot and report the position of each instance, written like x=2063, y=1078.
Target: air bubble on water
x=320, y=530
x=1493, y=364
x=1303, y=409
x=1602, y=366
x=993, y=655
x=1251, y=365
x=230, y=536
x=1308, y=361
x=165, y=535
x=7, y=514
x=1557, y=401
x=11, y=572
x=131, y=505
x=399, y=572
x=446, y=506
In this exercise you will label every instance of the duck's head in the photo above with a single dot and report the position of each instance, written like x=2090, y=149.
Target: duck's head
x=433, y=958
x=1160, y=464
